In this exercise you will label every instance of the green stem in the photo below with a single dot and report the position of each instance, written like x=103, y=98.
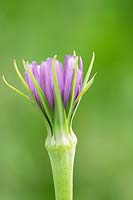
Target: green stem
x=62, y=161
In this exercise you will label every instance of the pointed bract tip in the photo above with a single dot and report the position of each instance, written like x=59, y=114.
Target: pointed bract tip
x=55, y=56
x=93, y=54
x=14, y=61
x=3, y=77
x=24, y=64
x=95, y=74
x=23, y=61
x=5, y=81
x=74, y=53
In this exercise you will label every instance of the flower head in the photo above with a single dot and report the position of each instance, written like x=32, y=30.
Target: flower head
x=43, y=75
x=56, y=89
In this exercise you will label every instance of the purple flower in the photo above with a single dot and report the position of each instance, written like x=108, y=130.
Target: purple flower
x=55, y=89
x=43, y=75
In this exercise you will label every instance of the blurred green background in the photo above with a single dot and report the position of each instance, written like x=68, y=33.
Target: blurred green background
x=35, y=30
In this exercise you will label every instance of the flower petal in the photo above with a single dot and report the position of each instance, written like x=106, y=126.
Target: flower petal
x=46, y=81
x=33, y=68
x=78, y=83
x=68, y=76
x=59, y=74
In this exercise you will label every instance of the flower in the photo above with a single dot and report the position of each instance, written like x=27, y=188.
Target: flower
x=43, y=75
x=55, y=89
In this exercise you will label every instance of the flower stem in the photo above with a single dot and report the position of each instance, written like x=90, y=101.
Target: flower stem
x=62, y=162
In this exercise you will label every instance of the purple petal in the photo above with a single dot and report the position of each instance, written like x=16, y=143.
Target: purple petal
x=68, y=76
x=59, y=75
x=43, y=75
x=46, y=82
x=78, y=82
x=28, y=80
x=81, y=69
x=67, y=57
x=35, y=71
x=81, y=64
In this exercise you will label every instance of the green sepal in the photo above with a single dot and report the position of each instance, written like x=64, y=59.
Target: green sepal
x=89, y=70
x=22, y=79
x=60, y=124
x=78, y=99
x=41, y=95
x=42, y=112
x=16, y=90
x=85, y=88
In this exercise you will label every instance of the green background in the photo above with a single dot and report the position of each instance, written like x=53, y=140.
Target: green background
x=35, y=30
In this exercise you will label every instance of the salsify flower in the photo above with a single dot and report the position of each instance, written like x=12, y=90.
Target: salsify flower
x=56, y=90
